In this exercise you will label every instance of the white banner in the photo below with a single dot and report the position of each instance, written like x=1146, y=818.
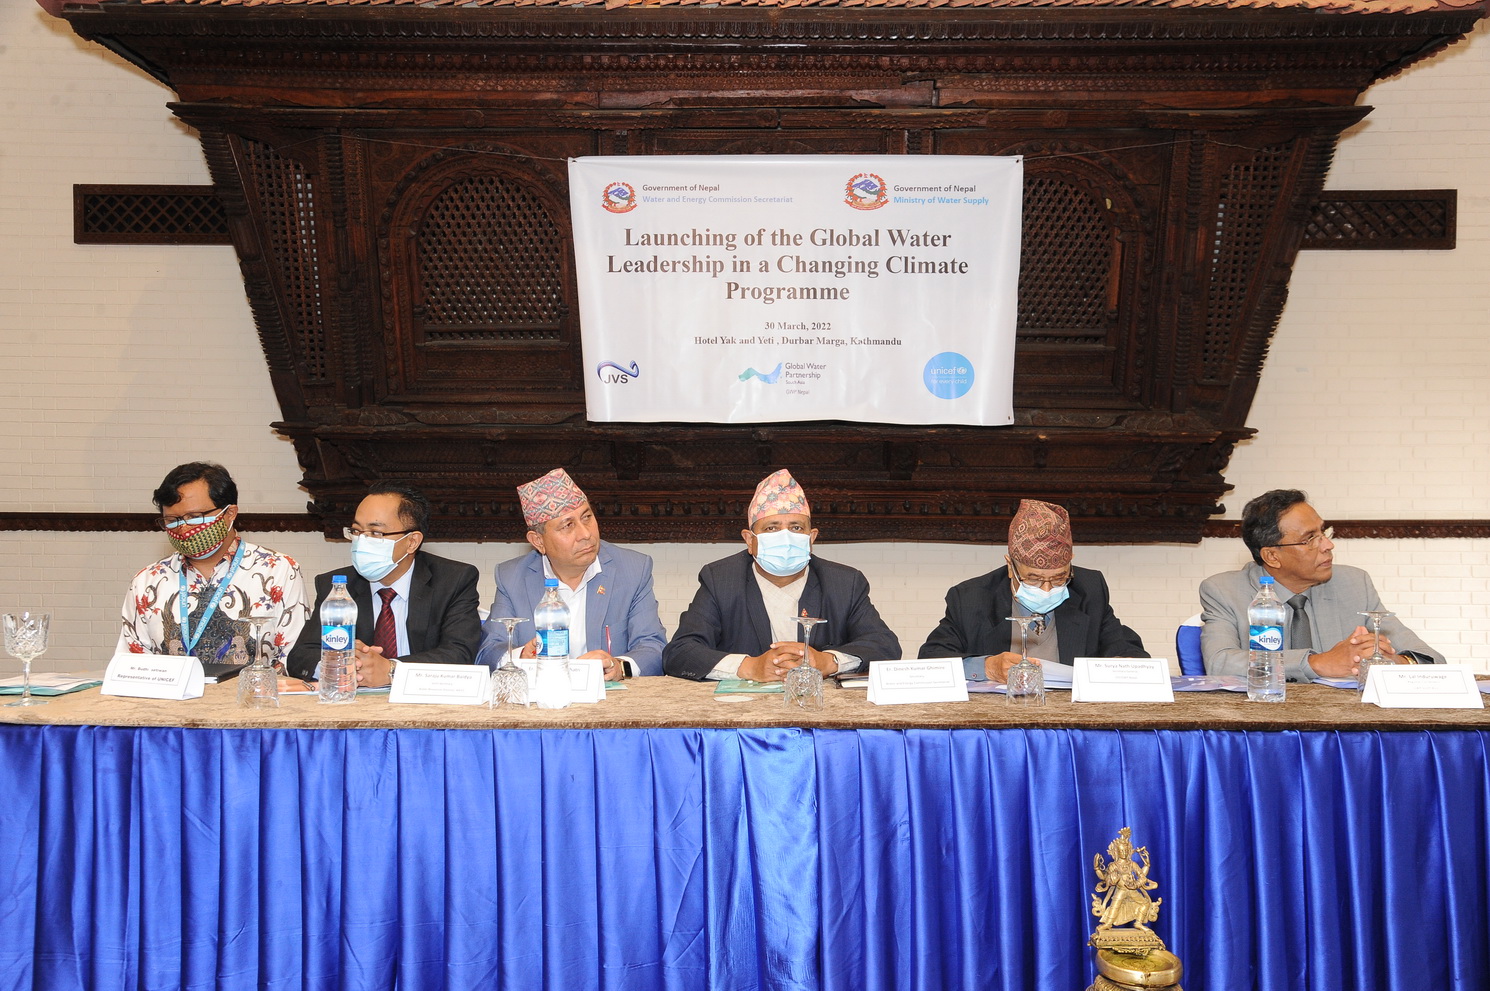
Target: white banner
x=744, y=288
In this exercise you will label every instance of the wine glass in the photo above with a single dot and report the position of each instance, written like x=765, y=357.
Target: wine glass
x=509, y=683
x=258, y=684
x=1377, y=657
x=26, y=640
x=1026, y=681
x=804, y=683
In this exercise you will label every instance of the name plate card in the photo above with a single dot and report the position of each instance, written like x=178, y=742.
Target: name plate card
x=154, y=676
x=586, y=679
x=1422, y=686
x=440, y=684
x=1122, y=679
x=932, y=680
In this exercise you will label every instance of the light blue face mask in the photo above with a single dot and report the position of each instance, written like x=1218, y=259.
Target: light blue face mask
x=782, y=552
x=373, y=557
x=1036, y=599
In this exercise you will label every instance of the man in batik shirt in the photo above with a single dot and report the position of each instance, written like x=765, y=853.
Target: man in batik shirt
x=233, y=591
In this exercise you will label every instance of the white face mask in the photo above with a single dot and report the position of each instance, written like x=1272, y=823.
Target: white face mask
x=782, y=552
x=373, y=557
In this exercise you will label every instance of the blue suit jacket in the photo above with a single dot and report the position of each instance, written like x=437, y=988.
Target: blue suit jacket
x=620, y=597
x=728, y=616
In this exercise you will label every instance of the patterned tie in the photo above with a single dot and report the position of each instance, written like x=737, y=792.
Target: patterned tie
x=385, y=633
x=1299, y=635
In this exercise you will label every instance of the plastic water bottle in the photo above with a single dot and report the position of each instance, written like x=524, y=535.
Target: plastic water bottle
x=551, y=690
x=338, y=641
x=1265, y=616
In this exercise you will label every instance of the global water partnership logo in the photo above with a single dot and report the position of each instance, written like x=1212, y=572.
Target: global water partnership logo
x=768, y=378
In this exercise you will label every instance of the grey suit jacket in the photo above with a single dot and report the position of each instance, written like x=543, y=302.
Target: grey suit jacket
x=1334, y=613
x=620, y=598
x=443, y=625
x=728, y=616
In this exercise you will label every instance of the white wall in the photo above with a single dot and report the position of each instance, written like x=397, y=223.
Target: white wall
x=117, y=363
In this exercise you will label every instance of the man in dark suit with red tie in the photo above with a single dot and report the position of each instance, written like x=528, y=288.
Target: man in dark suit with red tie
x=411, y=605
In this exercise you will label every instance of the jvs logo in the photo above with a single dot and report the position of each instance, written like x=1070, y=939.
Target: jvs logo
x=611, y=373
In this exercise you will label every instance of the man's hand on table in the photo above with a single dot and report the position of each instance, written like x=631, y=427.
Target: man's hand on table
x=1344, y=659
x=615, y=668
x=776, y=660
x=373, y=669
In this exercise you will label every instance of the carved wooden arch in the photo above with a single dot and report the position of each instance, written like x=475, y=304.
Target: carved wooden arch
x=521, y=264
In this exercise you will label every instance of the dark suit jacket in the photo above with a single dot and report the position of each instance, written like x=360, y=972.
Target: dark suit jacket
x=728, y=616
x=443, y=626
x=975, y=623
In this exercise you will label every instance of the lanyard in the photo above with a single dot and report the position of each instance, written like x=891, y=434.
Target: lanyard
x=187, y=640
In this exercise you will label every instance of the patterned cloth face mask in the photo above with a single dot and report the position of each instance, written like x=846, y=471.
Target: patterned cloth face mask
x=199, y=540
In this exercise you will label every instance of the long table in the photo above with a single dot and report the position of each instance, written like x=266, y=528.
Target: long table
x=663, y=839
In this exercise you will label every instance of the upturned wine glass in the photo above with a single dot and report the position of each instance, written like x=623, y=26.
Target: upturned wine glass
x=1026, y=681
x=26, y=640
x=1377, y=657
x=804, y=683
x=258, y=684
x=509, y=683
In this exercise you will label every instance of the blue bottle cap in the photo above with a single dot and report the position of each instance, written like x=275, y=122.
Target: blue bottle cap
x=550, y=583
x=1265, y=580
x=343, y=579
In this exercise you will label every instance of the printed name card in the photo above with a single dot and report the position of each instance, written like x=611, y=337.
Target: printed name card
x=154, y=676
x=1422, y=686
x=932, y=680
x=1122, y=679
x=586, y=679
x=440, y=684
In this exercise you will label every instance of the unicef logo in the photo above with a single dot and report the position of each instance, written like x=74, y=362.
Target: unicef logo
x=336, y=637
x=948, y=375
x=1267, y=638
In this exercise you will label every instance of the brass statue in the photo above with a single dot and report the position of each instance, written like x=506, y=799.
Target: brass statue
x=1122, y=894
x=1129, y=953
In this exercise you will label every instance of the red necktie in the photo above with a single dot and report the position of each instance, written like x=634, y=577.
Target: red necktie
x=385, y=633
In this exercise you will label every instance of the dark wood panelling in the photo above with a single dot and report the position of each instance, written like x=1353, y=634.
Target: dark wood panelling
x=1383, y=219
x=378, y=166
x=145, y=214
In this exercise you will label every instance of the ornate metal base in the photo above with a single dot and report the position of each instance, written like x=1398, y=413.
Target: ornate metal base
x=1157, y=970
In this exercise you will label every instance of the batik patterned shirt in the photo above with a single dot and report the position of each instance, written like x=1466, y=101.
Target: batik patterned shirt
x=267, y=588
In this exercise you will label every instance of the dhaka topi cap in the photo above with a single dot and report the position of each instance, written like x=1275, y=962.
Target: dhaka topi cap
x=549, y=497
x=776, y=494
x=1040, y=535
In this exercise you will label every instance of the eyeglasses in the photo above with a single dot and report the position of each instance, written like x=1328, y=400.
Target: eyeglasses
x=173, y=522
x=1328, y=533
x=1045, y=583
x=352, y=532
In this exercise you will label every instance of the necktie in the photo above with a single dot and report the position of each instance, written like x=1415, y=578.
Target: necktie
x=1299, y=635
x=385, y=633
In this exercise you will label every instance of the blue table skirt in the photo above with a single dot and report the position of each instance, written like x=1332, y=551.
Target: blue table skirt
x=731, y=859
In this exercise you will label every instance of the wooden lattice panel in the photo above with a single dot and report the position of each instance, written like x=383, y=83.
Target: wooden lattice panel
x=147, y=214
x=285, y=203
x=1383, y=219
x=1066, y=264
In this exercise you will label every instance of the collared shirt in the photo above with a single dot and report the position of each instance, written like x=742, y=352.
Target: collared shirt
x=781, y=603
x=575, y=599
x=400, y=607
x=266, y=587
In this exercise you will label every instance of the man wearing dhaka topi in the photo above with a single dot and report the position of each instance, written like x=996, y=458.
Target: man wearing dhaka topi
x=741, y=623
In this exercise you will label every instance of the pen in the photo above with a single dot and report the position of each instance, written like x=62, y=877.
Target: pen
x=607, y=639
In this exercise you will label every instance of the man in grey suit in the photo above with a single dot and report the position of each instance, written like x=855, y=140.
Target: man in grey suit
x=1326, y=637
x=411, y=605
x=608, y=589
x=741, y=621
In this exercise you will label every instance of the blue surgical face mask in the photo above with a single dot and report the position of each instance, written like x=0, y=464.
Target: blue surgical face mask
x=782, y=552
x=1036, y=599
x=373, y=557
